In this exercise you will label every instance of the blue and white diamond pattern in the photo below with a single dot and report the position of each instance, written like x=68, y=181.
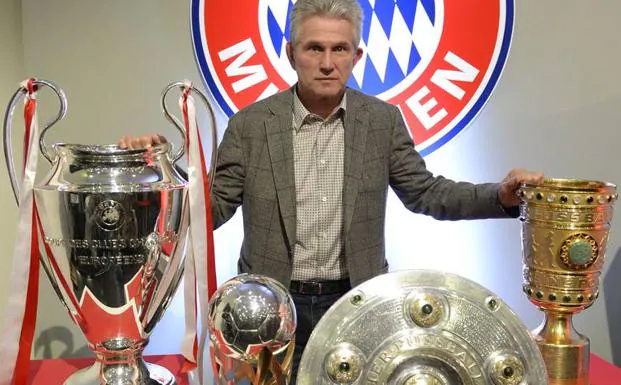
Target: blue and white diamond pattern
x=274, y=30
x=399, y=39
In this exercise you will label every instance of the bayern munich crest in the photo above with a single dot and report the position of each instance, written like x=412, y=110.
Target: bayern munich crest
x=437, y=60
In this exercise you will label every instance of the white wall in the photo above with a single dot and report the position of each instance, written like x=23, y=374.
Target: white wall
x=11, y=73
x=556, y=109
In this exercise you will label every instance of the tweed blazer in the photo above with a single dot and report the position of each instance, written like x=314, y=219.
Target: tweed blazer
x=255, y=170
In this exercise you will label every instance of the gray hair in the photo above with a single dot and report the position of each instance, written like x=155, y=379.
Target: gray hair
x=338, y=9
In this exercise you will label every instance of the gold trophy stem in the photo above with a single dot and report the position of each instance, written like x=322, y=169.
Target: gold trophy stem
x=564, y=350
x=269, y=371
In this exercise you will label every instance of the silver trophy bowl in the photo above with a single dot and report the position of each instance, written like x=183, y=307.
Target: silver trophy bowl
x=114, y=226
x=421, y=327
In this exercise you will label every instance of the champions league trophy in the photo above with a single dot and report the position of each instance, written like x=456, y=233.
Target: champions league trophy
x=252, y=323
x=565, y=226
x=421, y=327
x=113, y=225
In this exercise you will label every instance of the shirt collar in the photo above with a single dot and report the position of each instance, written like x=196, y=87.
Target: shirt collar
x=300, y=113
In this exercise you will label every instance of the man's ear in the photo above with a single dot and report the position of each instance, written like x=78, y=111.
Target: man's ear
x=289, y=49
x=357, y=55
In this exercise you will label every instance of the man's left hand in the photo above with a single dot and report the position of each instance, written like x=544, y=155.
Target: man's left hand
x=507, y=194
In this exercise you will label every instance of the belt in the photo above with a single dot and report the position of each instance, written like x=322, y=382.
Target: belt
x=320, y=287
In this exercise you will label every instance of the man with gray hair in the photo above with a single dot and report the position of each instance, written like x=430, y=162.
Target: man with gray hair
x=311, y=167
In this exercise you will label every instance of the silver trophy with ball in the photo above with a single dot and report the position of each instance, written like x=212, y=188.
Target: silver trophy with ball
x=252, y=323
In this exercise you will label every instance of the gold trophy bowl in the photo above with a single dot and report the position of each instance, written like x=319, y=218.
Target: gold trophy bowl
x=565, y=226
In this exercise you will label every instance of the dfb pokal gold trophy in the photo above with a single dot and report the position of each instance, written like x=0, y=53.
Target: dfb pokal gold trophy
x=565, y=226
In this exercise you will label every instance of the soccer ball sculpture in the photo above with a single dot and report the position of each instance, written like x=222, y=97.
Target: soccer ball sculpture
x=251, y=324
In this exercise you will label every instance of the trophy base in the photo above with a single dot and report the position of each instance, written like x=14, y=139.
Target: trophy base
x=564, y=350
x=150, y=374
x=566, y=364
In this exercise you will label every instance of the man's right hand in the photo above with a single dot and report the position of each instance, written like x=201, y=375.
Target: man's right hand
x=144, y=141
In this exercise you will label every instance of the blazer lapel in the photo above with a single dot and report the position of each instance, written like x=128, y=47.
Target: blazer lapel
x=356, y=127
x=278, y=130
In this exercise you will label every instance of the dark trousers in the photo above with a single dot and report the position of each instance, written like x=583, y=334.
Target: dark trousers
x=309, y=309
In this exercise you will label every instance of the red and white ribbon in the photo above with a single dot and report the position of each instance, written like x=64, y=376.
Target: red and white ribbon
x=21, y=309
x=200, y=275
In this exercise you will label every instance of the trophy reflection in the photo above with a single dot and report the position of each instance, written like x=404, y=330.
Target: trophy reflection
x=565, y=225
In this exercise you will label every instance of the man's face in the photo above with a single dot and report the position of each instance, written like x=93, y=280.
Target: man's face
x=323, y=57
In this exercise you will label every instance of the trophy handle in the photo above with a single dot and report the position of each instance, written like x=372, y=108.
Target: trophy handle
x=8, y=126
x=214, y=133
